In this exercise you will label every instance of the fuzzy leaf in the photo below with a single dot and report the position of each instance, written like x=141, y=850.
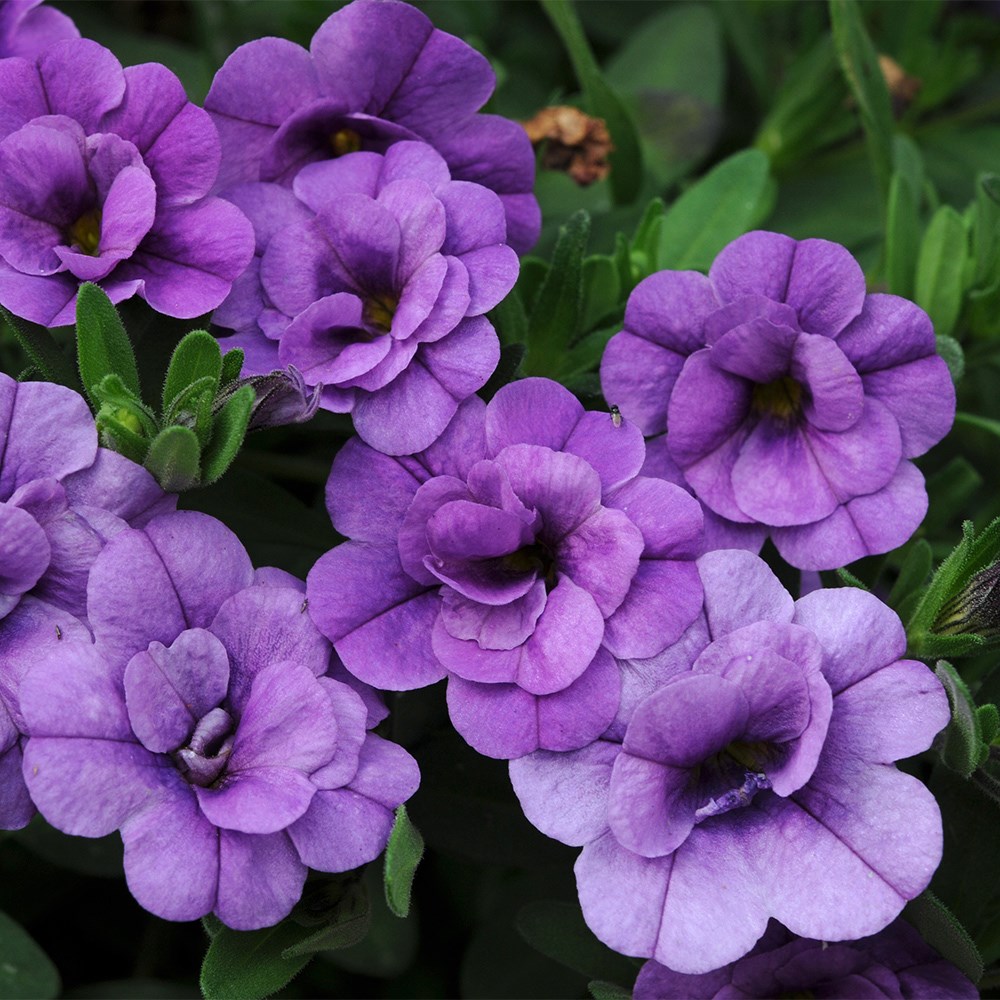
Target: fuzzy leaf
x=232, y=365
x=402, y=855
x=228, y=431
x=961, y=742
x=941, y=929
x=197, y=356
x=601, y=990
x=174, y=458
x=555, y=319
x=251, y=965
x=102, y=345
x=42, y=350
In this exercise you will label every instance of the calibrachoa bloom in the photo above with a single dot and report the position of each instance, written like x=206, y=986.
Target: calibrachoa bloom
x=376, y=72
x=792, y=400
x=895, y=963
x=380, y=296
x=61, y=498
x=519, y=555
x=27, y=27
x=105, y=174
x=755, y=779
x=202, y=723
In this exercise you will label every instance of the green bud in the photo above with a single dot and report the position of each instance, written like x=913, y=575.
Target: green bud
x=975, y=609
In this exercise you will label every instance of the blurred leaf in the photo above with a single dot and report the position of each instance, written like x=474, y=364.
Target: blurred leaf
x=950, y=490
x=960, y=743
x=712, y=212
x=137, y=988
x=941, y=929
x=196, y=357
x=986, y=230
x=340, y=906
x=402, y=855
x=557, y=929
x=229, y=428
x=859, y=62
x=26, y=972
x=902, y=237
x=601, y=290
x=101, y=856
x=602, y=102
x=941, y=268
x=42, y=350
x=555, y=318
x=174, y=459
x=102, y=345
x=671, y=75
x=913, y=573
x=507, y=369
x=510, y=319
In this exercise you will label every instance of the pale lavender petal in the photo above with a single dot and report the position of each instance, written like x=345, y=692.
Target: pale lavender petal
x=637, y=377
x=741, y=589
x=260, y=879
x=262, y=800
x=531, y=411
x=616, y=453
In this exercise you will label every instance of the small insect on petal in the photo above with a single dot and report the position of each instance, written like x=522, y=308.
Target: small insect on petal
x=616, y=416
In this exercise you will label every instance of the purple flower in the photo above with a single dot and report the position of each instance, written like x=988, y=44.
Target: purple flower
x=895, y=963
x=750, y=775
x=201, y=723
x=104, y=177
x=61, y=499
x=376, y=73
x=387, y=284
x=519, y=555
x=793, y=402
x=26, y=28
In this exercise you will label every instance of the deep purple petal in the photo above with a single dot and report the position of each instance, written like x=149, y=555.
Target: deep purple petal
x=637, y=376
x=531, y=411
x=262, y=800
x=260, y=879
x=82, y=80
x=616, y=453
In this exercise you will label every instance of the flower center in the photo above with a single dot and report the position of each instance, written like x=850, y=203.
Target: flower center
x=85, y=233
x=343, y=141
x=781, y=398
x=205, y=756
x=378, y=311
x=738, y=770
x=535, y=558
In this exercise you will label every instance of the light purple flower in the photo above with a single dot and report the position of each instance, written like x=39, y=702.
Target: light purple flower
x=202, y=723
x=26, y=27
x=61, y=498
x=375, y=73
x=896, y=963
x=750, y=775
x=105, y=174
x=519, y=555
x=793, y=401
x=373, y=281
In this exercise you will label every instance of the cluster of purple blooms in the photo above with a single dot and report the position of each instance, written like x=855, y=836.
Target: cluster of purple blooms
x=723, y=753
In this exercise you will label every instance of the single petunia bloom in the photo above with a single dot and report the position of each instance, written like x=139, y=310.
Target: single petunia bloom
x=520, y=555
x=896, y=963
x=203, y=723
x=750, y=774
x=105, y=176
x=280, y=107
x=792, y=401
x=27, y=27
x=373, y=281
x=61, y=499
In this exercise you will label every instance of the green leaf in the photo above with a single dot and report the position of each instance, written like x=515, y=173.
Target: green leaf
x=601, y=290
x=402, y=855
x=953, y=356
x=26, y=972
x=174, y=458
x=989, y=722
x=212, y=924
x=913, y=573
x=986, y=230
x=940, y=928
x=859, y=62
x=902, y=236
x=939, y=284
x=555, y=320
x=712, y=212
x=232, y=365
x=601, y=990
x=950, y=489
x=115, y=434
x=625, y=176
x=510, y=319
x=197, y=356
x=229, y=428
x=511, y=356
x=102, y=345
x=251, y=965
x=848, y=579
x=557, y=929
x=960, y=743
x=192, y=407
x=340, y=905
x=42, y=350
